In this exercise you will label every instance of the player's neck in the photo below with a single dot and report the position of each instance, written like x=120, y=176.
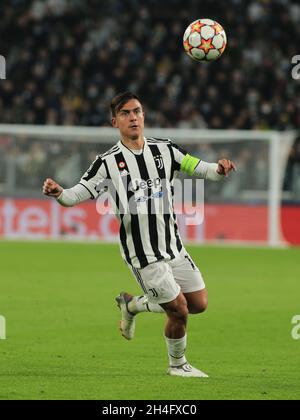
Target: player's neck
x=137, y=144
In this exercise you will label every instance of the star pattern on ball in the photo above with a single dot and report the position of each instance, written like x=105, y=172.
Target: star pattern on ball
x=223, y=48
x=204, y=40
x=218, y=28
x=187, y=46
x=206, y=45
x=197, y=26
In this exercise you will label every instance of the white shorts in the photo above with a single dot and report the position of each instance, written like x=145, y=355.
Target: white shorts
x=163, y=281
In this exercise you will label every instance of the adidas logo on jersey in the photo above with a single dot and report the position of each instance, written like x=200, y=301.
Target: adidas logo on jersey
x=124, y=173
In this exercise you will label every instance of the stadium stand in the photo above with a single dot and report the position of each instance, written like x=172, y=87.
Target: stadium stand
x=66, y=59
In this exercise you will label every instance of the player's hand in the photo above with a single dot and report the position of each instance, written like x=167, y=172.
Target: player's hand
x=51, y=188
x=225, y=167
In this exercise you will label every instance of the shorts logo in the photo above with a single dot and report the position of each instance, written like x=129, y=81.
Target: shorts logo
x=154, y=293
x=122, y=165
x=159, y=162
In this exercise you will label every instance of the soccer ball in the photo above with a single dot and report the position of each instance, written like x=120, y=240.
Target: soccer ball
x=204, y=40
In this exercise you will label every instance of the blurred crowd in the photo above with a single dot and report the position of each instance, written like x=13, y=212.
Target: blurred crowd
x=26, y=163
x=31, y=161
x=292, y=175
x=66, y=59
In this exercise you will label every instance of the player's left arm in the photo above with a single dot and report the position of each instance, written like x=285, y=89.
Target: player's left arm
x=225, y=166
x=211, y=171
x=194, y=166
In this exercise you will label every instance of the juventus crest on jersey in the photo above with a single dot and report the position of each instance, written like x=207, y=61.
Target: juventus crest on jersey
x=141, y=187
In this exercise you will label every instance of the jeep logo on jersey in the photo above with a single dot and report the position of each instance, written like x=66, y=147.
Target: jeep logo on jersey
x=139, y=184
x=159, y=162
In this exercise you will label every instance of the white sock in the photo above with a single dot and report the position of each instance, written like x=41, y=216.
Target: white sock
x=176, y=350
x=140, y=304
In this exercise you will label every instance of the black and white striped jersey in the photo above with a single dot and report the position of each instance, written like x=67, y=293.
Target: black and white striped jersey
x=141, y=190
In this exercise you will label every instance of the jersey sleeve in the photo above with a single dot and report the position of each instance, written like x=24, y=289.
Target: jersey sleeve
x=73, y=196
x=194, y=166
x=183, y=161
x=94, y=177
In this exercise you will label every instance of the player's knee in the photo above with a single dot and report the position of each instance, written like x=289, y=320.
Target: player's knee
x=199, y=307
x=178, y=309
x=180, y=314
x=184, y=312
x=202, y=308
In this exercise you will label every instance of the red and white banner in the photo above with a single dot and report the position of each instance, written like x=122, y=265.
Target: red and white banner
x=42, y=219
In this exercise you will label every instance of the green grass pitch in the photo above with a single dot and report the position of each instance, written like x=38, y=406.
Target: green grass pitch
x=62, y=326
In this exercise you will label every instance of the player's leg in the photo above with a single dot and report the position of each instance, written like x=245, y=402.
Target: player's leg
x=139, y=304
x=131, y=305
x=197, y=302
x=160, y=287
x=177, y=316
x=176, y=339
x=127, y=322
x=191, y=282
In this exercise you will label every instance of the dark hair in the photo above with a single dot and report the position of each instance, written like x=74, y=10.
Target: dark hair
x=120, y=100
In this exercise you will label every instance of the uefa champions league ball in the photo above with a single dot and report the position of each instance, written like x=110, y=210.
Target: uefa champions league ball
x=204, y=40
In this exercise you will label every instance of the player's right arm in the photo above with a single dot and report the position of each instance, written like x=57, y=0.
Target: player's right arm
x=67, y=198
x=51, y=188
x=85, y=190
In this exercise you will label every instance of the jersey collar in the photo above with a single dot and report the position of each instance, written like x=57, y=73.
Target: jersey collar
x=122, y=146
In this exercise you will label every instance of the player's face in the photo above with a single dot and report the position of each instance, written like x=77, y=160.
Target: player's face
x=130, y=120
